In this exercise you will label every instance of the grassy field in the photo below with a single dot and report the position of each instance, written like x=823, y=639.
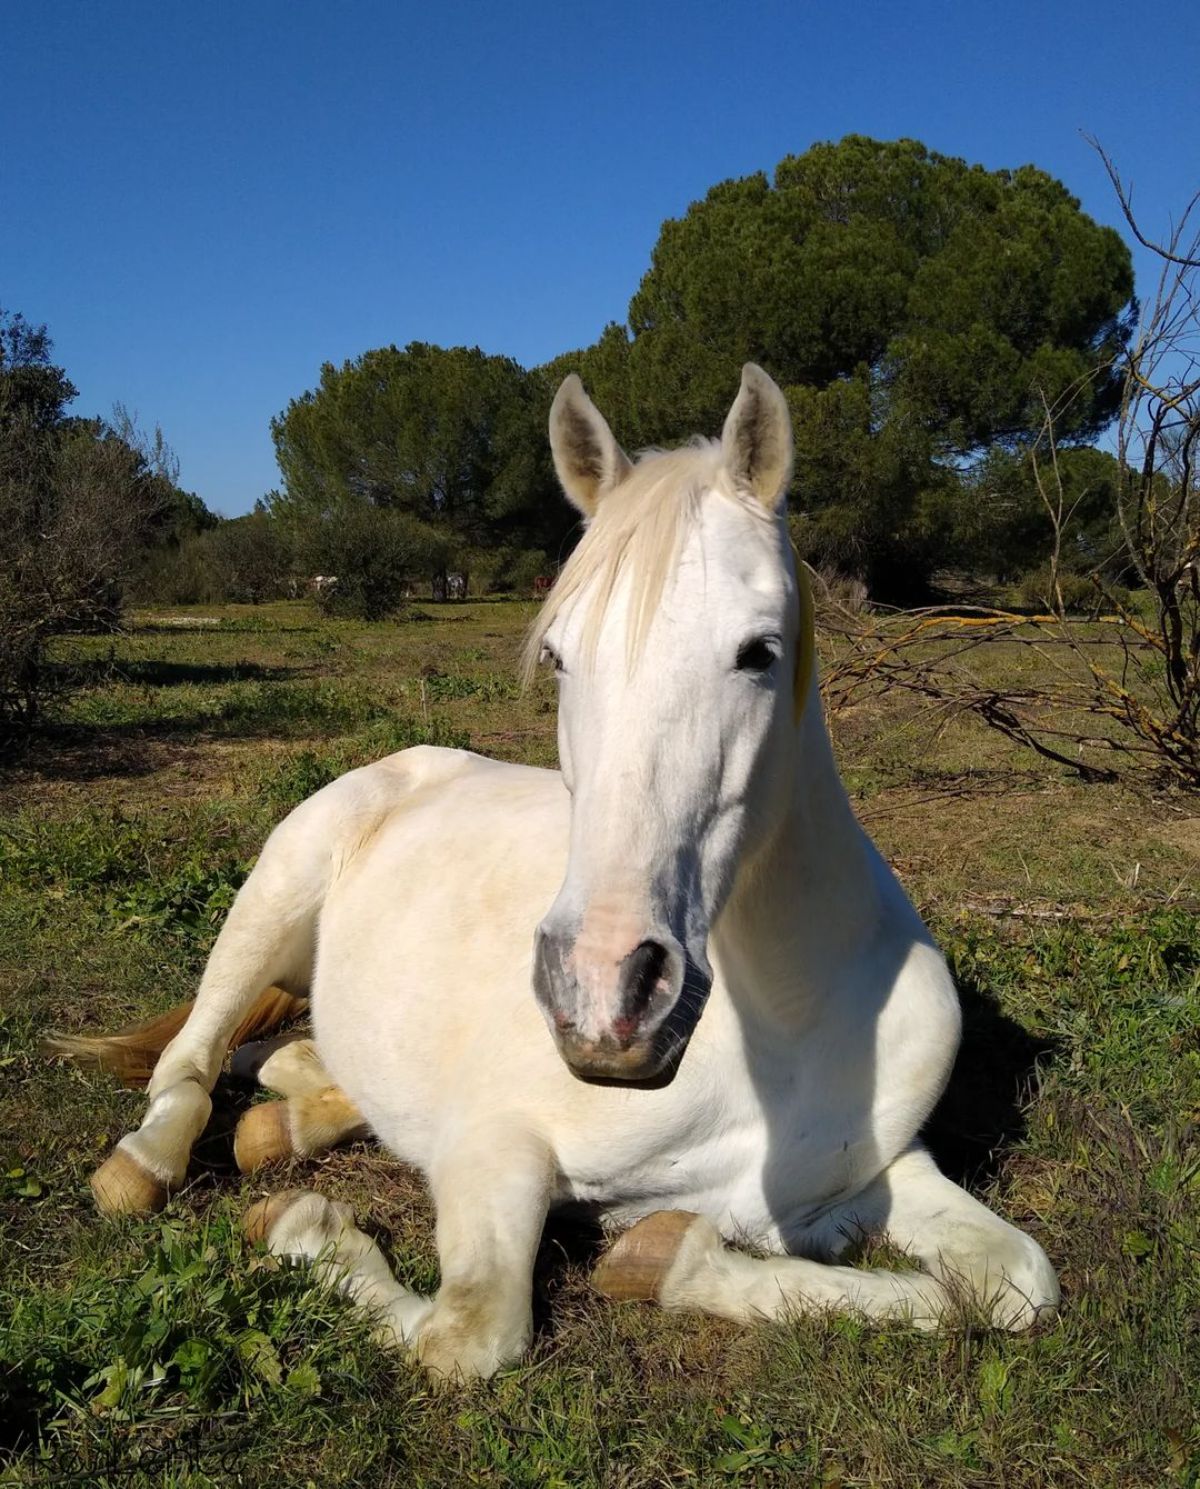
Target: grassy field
x=168, y=1352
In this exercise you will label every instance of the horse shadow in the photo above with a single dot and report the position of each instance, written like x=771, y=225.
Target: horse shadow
x=981, y=1116
x=155, y=673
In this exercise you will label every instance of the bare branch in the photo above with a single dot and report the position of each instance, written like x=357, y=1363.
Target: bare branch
x=1125, y=198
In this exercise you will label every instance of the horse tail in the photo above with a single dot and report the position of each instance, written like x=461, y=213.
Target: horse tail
x=132, y=1053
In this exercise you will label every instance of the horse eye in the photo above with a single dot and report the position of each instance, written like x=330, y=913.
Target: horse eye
x=755, y=656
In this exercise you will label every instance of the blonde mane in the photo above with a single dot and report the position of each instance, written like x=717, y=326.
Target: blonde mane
x=639, y=528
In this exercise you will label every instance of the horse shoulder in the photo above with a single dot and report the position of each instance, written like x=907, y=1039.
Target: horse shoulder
x=470, y=838
x=341, y=820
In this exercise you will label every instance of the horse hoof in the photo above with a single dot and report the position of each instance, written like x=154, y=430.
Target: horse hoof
x=259, y=1219
x=264, y=1135
x=123, y=1187
x=634, y=1269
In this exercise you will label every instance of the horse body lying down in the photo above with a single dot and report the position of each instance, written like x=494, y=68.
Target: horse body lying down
x=737, y=1017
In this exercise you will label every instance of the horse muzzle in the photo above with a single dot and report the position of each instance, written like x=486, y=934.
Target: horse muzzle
x=621, y=1020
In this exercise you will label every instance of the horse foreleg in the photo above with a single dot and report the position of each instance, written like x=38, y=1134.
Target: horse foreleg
x=492, y=1199
x=678, y=1260
x=970, y=1254
x=492, y=1192
x=304, y=1225
x=975, y=1253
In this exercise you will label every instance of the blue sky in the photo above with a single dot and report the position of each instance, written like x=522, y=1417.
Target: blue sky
x=205, y=202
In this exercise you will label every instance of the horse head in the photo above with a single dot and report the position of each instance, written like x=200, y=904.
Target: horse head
x=680, y=636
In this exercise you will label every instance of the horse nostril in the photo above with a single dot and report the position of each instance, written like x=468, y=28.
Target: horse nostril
x=643, y=969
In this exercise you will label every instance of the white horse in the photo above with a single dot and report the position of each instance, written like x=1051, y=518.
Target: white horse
x=737, y=1024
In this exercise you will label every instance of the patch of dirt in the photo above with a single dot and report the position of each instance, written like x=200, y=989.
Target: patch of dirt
x=1184, y=835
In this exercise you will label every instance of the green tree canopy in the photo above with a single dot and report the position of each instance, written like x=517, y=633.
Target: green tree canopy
x=1001, y=525
x=451, y=436
x=921, y=314
x=916, y=309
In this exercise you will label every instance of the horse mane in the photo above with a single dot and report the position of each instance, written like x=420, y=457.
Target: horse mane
x=638, y=528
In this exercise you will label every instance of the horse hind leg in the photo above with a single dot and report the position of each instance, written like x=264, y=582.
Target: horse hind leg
x=315, y=1115
x=301, y=1126
x=267, y=939
x=288, y=1064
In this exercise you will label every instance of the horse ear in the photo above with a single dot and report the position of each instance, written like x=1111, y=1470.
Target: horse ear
x=756, y=443
x=587, y=458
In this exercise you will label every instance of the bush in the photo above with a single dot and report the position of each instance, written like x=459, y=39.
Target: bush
x=184, y=575
x=73, y=510
x=525, y=568
x=1081, y=594
x=242, y=561
x=79, y=499
x=839, y=591
x=503, y=570
x=250, y=558
x=374, y=552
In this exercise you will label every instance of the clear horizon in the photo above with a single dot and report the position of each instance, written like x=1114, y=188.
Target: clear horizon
x=205, y=207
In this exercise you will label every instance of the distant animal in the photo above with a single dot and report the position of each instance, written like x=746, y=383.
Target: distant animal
x=542, y=586
x=456, y=586
x=674, y=984
x=323, y=585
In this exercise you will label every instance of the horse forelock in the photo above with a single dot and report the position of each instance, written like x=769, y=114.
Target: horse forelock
x=639, y=531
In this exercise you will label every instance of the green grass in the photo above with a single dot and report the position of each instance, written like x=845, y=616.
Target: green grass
x=170, y=1352
x=286, y=784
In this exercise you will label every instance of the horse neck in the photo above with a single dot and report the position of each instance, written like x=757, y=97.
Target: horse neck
x=807, y=897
